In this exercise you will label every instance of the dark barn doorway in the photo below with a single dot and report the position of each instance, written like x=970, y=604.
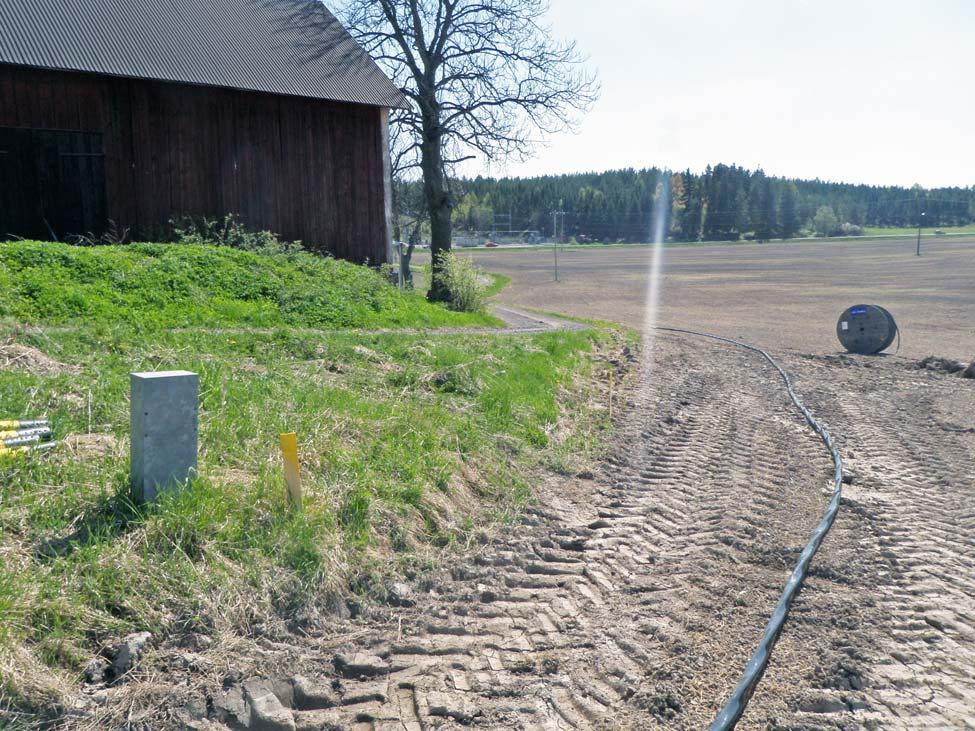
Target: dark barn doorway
x=52, y=184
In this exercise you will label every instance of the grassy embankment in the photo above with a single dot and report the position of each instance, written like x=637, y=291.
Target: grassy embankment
x=409, y=442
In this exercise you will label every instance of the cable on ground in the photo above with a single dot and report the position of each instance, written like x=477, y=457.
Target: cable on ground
x=735, y=706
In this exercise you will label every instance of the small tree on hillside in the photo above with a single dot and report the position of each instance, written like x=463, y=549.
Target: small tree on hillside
x=483, y=76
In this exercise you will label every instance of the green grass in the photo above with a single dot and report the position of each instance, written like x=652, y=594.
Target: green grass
x=499, y=283
x=155, y=286
x=912, y=231
x=408, y=443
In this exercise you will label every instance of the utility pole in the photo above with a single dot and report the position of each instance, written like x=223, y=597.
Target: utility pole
x=920, y=223
x=555, y=241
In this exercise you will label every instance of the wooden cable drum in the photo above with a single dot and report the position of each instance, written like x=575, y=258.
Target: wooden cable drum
x=866, y=329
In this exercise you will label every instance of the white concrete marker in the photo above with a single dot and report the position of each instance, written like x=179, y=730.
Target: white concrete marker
x=165, y=425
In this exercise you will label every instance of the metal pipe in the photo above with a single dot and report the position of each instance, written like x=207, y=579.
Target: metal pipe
x=16, y=424
x=22, y=441
x=42, y=447
x=44, y=431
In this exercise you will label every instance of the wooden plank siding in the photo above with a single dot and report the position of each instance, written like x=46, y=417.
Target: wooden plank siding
x=306, y=169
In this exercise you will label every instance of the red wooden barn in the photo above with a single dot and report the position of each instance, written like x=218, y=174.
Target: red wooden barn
x=138, y=112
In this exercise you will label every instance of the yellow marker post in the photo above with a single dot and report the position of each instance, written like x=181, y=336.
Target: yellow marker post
x=292, y=469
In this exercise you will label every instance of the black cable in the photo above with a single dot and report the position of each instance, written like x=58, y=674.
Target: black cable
x=735, y=706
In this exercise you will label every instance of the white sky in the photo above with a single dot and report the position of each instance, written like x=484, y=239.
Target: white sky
x=872, y=91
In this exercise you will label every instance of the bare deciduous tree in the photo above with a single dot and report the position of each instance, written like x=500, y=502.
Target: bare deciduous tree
x=484, y=77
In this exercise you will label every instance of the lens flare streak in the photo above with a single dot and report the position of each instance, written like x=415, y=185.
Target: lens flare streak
x=655, y=273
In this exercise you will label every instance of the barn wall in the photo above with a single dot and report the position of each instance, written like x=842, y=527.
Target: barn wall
x=306, y=169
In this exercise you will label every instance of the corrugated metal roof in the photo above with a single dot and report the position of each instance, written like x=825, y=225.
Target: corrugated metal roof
x=294, y=47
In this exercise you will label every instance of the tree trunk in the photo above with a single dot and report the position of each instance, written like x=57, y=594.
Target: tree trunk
x=406, y=259
x=438, y=202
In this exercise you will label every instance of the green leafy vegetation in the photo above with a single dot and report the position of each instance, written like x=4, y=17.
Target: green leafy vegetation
x=409, y=442
x=464, y=283
x=499, y=282
x=229, y=231
x=155, y=286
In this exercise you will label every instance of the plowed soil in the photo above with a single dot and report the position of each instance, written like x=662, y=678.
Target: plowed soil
x=775, y=295
x=633, y=599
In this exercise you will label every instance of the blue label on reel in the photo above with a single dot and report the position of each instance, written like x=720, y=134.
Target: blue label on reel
x=858, y=311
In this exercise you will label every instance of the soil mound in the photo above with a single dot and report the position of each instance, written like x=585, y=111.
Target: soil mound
x=31, y=360
x=942, y=365
x=92, y=446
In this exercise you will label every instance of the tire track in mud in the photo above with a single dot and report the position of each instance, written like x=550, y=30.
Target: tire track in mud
x=633, y=600
x=637, y=604
x=915, y=481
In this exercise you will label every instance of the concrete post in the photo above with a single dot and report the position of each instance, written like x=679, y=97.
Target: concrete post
x=165, y=424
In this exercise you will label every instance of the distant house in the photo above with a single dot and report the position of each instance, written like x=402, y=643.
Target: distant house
x=142, y=111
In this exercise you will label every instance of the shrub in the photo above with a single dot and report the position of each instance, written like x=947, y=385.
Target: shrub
x=464, y=283
x=229, y=231
x=825, y=223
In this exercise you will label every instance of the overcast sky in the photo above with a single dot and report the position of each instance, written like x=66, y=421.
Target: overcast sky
x=855, y=90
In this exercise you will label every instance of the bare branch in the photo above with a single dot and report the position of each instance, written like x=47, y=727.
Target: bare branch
x=486, y=77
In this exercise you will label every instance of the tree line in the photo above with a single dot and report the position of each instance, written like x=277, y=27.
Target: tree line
x=724, y=203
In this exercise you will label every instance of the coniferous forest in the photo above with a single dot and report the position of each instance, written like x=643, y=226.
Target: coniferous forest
x=725, y=203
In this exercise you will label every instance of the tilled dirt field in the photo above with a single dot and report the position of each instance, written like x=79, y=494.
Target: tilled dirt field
x=631, y=598
x=778, y=295
x=634, y=600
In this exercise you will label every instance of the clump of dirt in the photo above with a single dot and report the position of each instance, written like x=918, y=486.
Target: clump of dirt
x=14, y=356
x=942, y=365
x=844, y=674
x=91, y=446
x=664, y=704
x=970, y=371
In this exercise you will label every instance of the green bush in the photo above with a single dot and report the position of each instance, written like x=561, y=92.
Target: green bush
x=464, y=283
